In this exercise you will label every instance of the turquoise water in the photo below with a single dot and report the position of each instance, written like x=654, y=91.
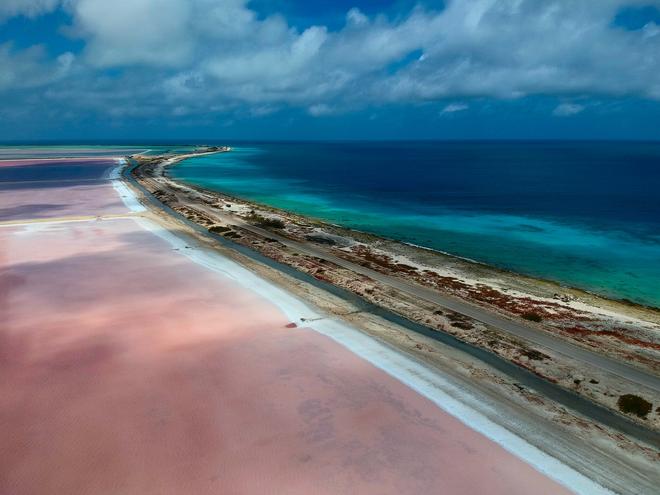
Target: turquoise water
x=583, y=214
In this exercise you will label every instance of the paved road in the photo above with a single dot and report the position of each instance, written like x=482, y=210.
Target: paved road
x=518, y=329
x=568, y=399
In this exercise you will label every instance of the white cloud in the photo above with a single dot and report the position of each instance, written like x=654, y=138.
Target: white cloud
x=355, y=17
x=127, y=32
x=30, y=68
x=513, y=48
x=198, y=54
x=320, y=110
x=272, y=65
x=651, y=30
x=567, y=109
x=263, y=110
x=455, y=107
x=29, y=8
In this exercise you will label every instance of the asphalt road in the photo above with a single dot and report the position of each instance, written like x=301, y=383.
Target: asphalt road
x=566, y=398
x=515, y=328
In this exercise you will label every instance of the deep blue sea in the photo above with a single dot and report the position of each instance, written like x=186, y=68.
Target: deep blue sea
x=586, y=214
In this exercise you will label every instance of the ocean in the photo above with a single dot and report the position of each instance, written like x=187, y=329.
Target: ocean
x=584, y=214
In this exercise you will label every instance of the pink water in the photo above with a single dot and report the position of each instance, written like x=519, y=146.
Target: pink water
x=125, y=368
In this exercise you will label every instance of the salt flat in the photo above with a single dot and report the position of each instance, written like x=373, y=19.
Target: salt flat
x=127, y=367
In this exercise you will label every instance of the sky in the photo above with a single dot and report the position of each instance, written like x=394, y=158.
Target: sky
x=329, y=69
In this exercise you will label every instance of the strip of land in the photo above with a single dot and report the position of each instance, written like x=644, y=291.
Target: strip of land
x=300, y=243
x=621, y=361
x=466, y=308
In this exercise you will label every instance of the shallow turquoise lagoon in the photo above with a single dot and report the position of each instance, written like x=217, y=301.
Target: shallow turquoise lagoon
x=582, y=214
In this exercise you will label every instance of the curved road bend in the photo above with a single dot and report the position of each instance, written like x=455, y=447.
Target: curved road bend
x=510, y=326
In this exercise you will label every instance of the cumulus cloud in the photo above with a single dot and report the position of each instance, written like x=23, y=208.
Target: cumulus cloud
x=128, y=32
x=203, y=54
x=355, y=17
x=320, y=109
x=567, y=109
x=29, y=8
x=30, y=68
x=509, y=49
x=273, y=69
x=455, y=107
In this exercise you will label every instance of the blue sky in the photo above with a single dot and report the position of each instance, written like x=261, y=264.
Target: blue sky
x=331, y=69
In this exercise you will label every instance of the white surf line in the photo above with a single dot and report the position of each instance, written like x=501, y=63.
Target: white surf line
x=431, y=384
x=126, y=195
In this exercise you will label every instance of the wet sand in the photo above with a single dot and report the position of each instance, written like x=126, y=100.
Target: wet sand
x=127, y=368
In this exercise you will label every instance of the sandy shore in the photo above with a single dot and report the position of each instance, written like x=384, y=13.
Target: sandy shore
x=134, y=361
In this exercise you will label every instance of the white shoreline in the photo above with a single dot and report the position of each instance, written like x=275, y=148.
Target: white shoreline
x=126, y=195
x=430, y=384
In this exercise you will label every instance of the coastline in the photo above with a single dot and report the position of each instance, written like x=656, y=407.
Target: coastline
x=558, y=284
x=442, y=392
x=569, y=313
x=426, y=351
x=446, y=395
x=460, y=274
x=590, y=243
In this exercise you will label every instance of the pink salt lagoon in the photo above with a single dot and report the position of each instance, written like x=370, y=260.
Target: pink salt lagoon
x=127, y=368
x=54, y=196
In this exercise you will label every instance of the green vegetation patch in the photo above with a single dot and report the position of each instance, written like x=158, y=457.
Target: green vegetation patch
x=262, y=221
x=633, y=404
x=531, y=316
x=535, y=355
x=219, y=229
